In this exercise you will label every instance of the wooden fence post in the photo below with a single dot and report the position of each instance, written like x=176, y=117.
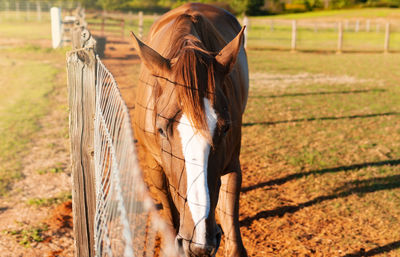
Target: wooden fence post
x=272, y=25
x=340, y=38
x=56, y=32
x=140, y=24
x=245, y=23
x=357, y=27
x=38, y=11
x=81, y=87
x=294, y=35
x=387, y=38
x=122, y=29
x=28, y=10
x=130, y=18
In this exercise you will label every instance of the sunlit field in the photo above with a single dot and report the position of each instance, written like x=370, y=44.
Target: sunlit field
x=320, y=146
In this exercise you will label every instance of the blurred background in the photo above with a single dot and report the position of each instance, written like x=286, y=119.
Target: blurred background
x=321, y=132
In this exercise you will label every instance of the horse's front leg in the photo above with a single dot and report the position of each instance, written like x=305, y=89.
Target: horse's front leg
x=160, y=183
x=228, y=213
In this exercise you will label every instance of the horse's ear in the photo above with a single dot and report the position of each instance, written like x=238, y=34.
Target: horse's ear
x=153, y=60
x=227, y=56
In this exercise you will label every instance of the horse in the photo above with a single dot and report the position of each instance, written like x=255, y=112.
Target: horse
x=191, y=95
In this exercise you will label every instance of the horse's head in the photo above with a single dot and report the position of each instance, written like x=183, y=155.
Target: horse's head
x=192, y=120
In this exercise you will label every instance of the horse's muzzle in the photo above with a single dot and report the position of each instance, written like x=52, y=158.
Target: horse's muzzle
x=186, y=248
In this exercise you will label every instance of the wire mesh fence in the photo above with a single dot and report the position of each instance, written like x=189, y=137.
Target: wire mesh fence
x=117, y=217
x=127, y=223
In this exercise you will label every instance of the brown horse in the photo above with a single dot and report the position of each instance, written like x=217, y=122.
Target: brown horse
x=188, y=114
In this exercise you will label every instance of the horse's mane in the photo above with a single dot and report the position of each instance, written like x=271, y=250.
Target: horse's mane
x=195, y=43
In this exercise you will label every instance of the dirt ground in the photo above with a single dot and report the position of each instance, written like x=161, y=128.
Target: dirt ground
x=279, y=215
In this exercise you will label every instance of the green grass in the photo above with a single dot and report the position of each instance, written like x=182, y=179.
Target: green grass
x=27, y=75
x=21, y=30
x=58, y=168
x=29, y=235
x=45, y=202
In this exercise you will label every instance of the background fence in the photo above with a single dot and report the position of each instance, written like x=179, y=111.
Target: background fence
x=325, y=35
x=34, y=10
x=114, y=214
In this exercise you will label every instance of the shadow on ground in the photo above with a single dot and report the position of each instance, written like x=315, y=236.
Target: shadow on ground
x=360, y=116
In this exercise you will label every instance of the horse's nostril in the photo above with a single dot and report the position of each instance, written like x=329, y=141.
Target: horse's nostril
x=202, y=250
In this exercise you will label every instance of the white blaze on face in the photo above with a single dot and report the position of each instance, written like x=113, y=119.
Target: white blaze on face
x=196, y=150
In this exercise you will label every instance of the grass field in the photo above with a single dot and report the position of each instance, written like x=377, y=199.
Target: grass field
x=27, y=83
x=34, y=165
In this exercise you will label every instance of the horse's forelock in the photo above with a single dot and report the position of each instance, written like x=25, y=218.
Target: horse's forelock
x=193, y=49
x=194, y=69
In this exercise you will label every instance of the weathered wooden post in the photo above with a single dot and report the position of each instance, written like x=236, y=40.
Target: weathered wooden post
x=340, y=38
x=140, y=24
x=81, y=66
x=294, y=35
x=387, y=38
x=272, y=25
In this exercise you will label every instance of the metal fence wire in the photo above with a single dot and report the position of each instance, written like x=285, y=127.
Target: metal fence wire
x=125, y=219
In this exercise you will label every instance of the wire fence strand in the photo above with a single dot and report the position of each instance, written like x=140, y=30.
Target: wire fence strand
x=126, y=220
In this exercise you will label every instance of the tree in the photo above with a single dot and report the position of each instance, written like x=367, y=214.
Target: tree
x=253, y=7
